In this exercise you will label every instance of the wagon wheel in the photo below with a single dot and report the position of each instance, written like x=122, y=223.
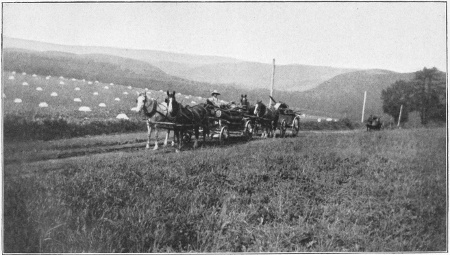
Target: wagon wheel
x=283, y=128
x=224, y=134
x=295, y=126
x=248, y=131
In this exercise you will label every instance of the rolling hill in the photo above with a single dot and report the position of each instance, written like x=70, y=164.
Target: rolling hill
x=28, y=95
x=252, y=75
x=209, y=69
x=102, y=68
x=344, y=94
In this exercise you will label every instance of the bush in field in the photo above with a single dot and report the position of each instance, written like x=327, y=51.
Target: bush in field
x=49, y=128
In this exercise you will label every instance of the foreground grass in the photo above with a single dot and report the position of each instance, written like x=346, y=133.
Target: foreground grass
x=365, y=192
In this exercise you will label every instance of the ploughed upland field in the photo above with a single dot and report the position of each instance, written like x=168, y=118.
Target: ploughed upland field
x=320, y=192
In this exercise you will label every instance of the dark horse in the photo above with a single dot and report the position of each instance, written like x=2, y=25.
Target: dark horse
x=193, y=117
x=269, y=119
x=244, y=104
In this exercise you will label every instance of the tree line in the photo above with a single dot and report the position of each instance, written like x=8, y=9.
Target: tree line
x=426, y=94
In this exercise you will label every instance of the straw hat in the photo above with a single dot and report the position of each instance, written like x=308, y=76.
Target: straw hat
x=215, y=92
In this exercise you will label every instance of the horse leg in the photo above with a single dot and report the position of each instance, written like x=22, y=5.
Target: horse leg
x=179, y=135
x=196, y=130
x=205, y=133
x=149, y=132
x=167, y=138
x=175, y=135
x=156, y=138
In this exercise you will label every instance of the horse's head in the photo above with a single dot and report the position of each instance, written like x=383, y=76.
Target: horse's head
x=141, y=101
x=172, y=105
x=260, y=109
x=244, y=101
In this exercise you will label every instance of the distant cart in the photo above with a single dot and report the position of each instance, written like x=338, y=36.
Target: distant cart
x=288, y=119
x=374, y=124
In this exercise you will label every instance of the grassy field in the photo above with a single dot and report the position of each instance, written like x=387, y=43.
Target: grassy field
x=326, y=192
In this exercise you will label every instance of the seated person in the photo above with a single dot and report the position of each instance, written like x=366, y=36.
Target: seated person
x=214, y=100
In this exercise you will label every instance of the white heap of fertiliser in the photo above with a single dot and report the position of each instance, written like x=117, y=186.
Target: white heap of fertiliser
x=122, y=116
x=84, y=109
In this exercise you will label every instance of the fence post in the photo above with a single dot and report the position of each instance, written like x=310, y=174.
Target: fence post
x=364, y=106
x=400, y=116
x=273, y=81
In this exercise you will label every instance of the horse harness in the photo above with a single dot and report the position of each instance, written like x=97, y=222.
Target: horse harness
x=154, y=110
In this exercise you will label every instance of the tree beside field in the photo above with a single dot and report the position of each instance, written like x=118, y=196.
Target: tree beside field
x=426, y=94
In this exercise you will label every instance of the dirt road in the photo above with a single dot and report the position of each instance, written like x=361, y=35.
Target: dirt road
x=126, y=143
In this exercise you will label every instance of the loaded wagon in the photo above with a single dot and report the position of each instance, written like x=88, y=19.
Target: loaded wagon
x=227, y=122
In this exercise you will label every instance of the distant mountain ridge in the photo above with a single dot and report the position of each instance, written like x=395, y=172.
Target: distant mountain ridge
x=210, y=69
x=252, y=75
x=151, y=56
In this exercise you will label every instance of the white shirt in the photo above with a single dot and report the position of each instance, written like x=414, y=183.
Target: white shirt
x=215, y=101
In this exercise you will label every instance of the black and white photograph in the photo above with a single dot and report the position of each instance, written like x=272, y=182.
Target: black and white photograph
x=224, y=127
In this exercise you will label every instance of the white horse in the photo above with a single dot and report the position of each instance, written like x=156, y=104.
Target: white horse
x=155, y=112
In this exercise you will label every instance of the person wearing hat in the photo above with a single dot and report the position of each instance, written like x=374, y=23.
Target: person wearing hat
x=214, y=98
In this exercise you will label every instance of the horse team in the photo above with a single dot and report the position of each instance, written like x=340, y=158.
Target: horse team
x=171, y=115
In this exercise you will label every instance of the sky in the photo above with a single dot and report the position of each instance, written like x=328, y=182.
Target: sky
x=401, y=36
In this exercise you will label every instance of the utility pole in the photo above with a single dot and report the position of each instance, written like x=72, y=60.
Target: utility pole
x=400, y=116
x=364, y=106
x=273, y=81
